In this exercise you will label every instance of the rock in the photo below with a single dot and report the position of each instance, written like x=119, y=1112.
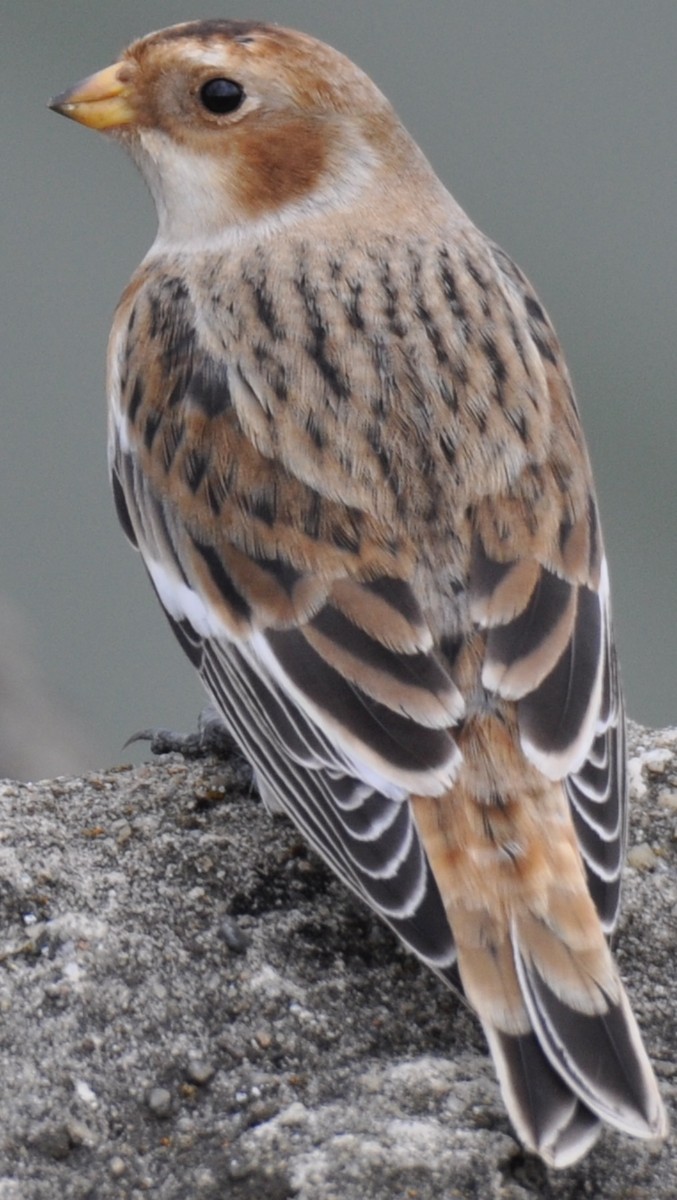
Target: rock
x=187, y=985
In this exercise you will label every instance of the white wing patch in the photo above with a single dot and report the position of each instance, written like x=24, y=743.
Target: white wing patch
x=184, y=602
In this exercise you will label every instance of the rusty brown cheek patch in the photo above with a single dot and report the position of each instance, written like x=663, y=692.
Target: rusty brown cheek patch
x=282, y=163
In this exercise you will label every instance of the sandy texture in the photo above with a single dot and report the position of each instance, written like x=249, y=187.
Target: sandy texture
x=190, y=1006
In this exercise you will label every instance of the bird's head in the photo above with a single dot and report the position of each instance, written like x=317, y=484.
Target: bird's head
x=232, y=122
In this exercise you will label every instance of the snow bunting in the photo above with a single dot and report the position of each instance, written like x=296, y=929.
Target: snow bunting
x=344, y=440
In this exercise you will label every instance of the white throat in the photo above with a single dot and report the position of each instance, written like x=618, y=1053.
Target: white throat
x=196, y=213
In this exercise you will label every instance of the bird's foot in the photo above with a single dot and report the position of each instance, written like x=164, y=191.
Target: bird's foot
x=210, y=737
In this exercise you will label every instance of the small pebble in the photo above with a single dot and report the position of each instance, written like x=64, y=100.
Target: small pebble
x=123, y=832
x=117, y=1167
x=199, y=1071
x=85, y=1093
x=295, y=1114
x=642, y=857
x=205, y=1179
x=237, y=1169
x=657, y=762
x=235, y=939
x=79, y=1134
x=159, y=1101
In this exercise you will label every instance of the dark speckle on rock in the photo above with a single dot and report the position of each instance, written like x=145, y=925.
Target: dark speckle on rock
x=53, y=1142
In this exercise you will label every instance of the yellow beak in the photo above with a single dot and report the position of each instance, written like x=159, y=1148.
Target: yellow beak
x=103, y=101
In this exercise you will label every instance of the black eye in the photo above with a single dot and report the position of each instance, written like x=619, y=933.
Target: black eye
x=221, y=95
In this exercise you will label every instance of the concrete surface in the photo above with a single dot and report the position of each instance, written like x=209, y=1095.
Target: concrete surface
x=191, y=1007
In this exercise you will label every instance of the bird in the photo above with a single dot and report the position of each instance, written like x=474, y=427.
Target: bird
x=344, y=440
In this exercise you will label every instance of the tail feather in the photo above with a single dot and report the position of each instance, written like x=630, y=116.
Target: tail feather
x=565, y=1064
x=599, y=1055
x=547, y=1115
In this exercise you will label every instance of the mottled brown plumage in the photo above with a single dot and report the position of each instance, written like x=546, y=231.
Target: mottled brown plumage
x=343, y=437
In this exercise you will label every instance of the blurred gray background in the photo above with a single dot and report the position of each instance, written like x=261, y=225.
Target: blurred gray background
x=554, y=124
